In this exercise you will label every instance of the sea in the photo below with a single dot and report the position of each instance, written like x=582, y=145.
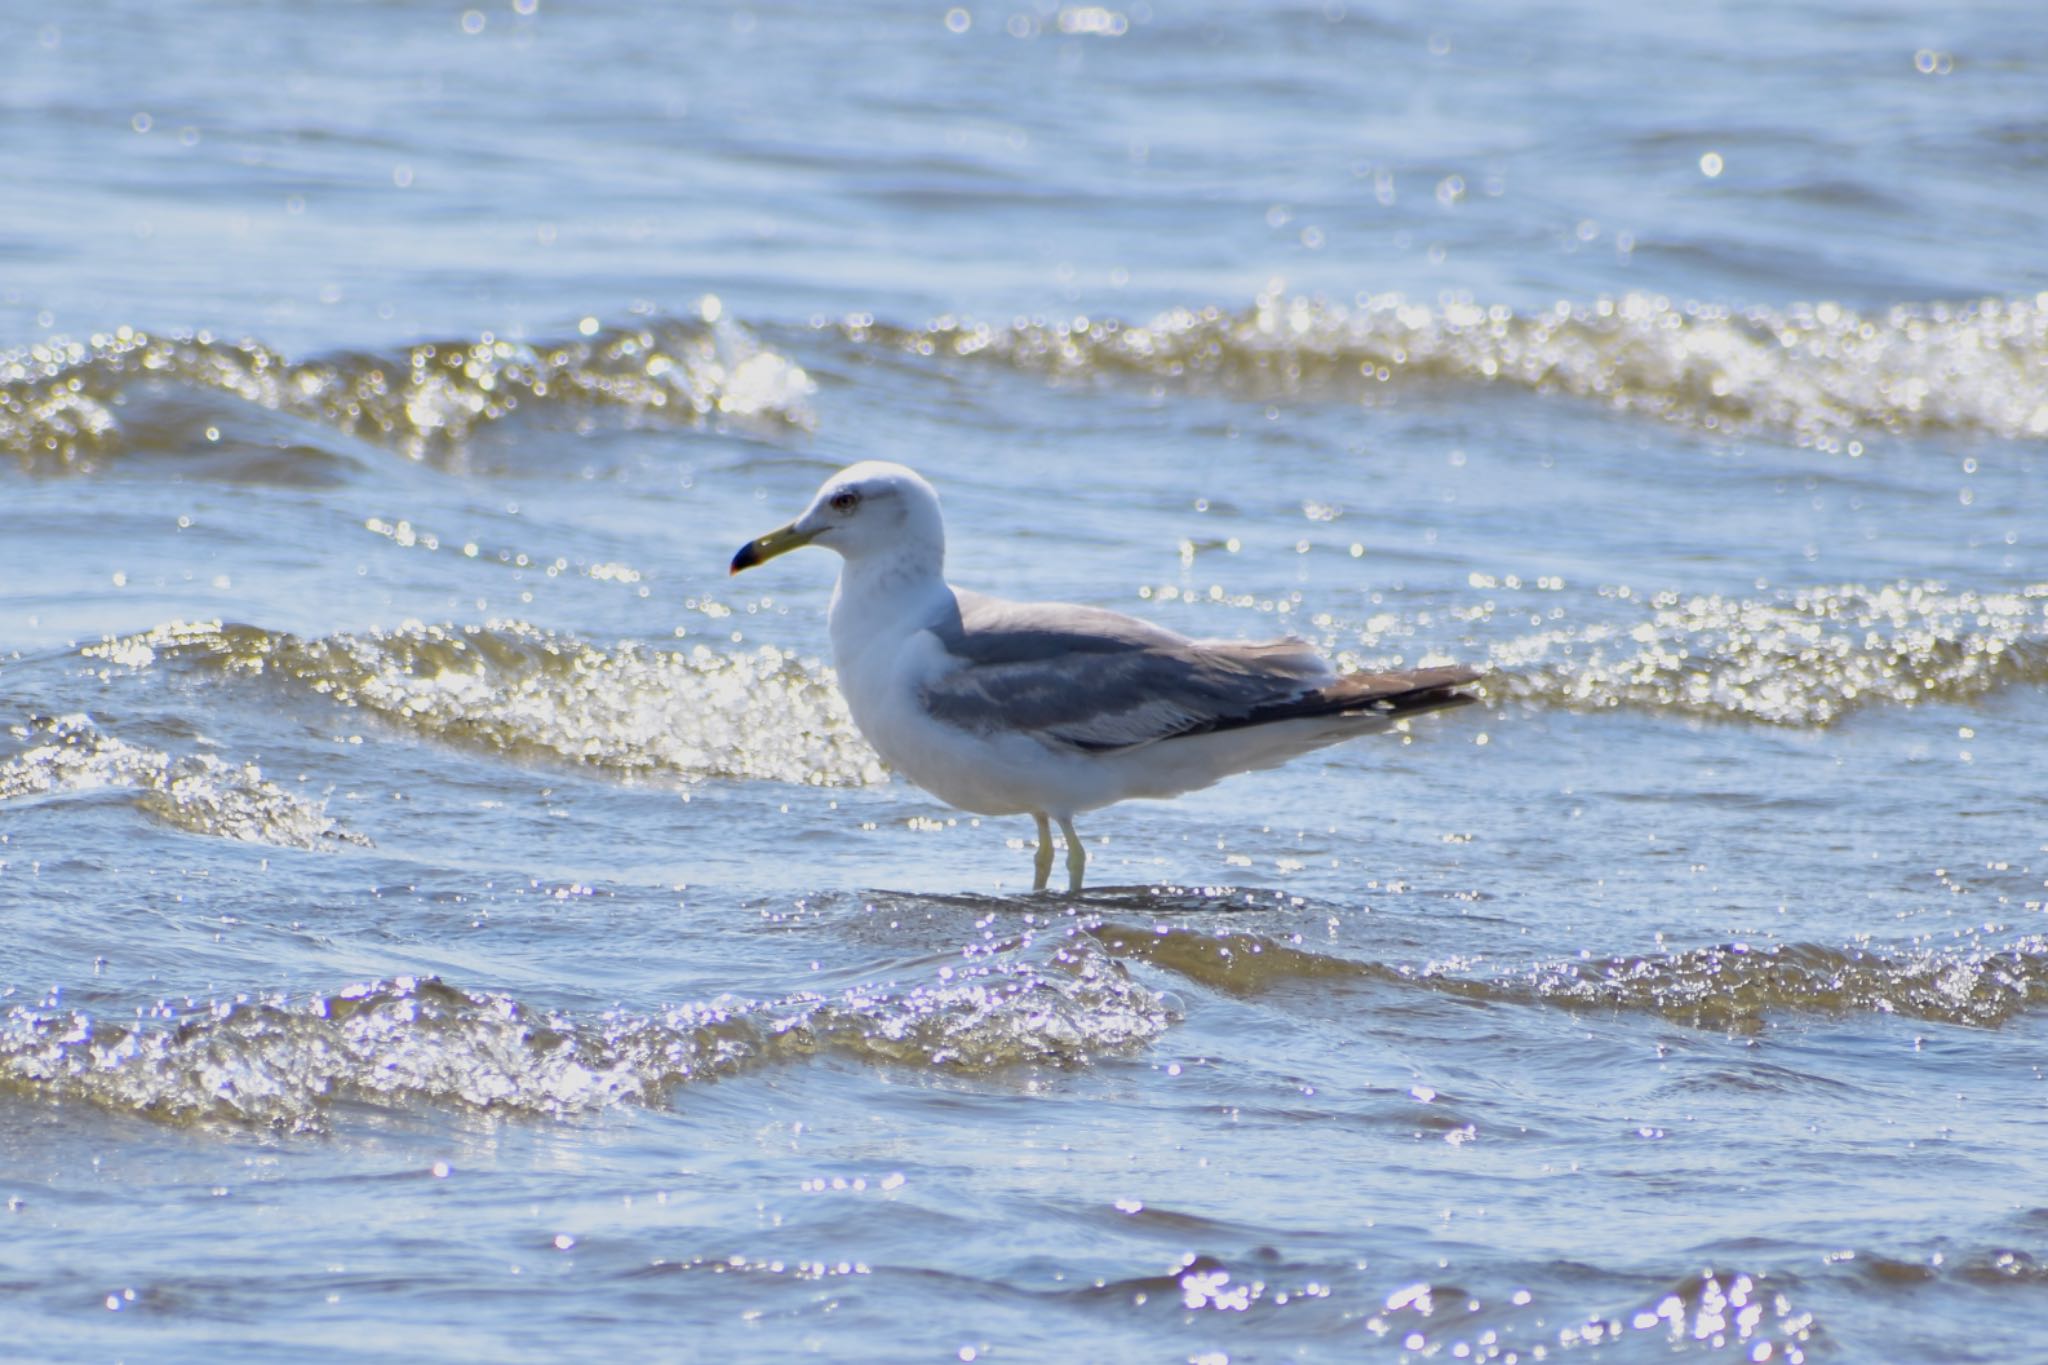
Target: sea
x=443, y=915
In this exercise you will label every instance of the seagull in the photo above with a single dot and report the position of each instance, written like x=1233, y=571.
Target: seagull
x=1048, y=709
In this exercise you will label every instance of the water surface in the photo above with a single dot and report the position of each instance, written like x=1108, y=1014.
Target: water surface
x=440, y=912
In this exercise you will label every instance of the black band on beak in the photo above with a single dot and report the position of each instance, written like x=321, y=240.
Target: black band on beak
x=779, y=541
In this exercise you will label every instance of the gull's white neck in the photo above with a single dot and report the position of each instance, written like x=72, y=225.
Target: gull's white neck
x=881, y=598
x=883, y=602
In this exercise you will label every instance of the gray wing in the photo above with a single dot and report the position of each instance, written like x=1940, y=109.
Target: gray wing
x=1093, y=680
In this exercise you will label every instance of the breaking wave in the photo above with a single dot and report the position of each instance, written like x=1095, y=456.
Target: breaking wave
x=511, y=688
x=198, y=793
x=1804, y=658
x=284, y=1062
x=1821, y=371
x=61, y=400
x=1724, y=986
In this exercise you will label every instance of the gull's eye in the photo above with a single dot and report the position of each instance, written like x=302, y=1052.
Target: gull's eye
x=844, y=503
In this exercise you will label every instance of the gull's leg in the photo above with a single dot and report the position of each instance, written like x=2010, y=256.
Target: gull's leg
x=1042, y=863
x=1077, y=856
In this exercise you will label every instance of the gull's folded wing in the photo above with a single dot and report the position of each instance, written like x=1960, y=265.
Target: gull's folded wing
x=1094, y=680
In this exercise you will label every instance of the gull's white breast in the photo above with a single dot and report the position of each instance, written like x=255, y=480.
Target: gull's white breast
x=1003, y=773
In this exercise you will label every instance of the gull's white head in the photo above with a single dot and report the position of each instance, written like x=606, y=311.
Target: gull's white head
x=871, y=510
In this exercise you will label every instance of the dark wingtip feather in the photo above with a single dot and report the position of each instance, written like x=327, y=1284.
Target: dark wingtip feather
x=1381, y=695
x=1407, y=693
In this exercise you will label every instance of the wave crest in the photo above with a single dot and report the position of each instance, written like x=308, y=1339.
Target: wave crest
x=198, y=793
x=283, y=1062
x=1724, y=986
x=60, y=399
x=512, y=688
x=1821, y=370
x=1807, y=658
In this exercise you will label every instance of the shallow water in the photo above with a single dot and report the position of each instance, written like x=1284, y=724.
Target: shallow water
x=441, y=912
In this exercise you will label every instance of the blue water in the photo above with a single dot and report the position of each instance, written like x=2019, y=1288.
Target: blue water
x=441, y=913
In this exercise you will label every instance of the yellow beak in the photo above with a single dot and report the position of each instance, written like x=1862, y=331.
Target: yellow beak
x=779, y=541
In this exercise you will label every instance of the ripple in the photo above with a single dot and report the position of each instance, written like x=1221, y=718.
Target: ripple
x=1746, y=1315
x=198, y=793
